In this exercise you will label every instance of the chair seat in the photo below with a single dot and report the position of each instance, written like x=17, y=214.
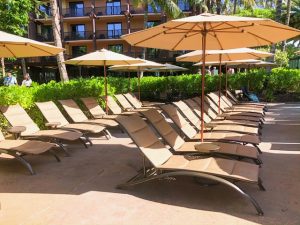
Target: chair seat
x=26, y=146
x=91, y=128
x=57, y=133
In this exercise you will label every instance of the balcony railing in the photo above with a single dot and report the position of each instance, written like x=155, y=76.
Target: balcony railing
x=76, y=12
x=45, y=38
x=78, y=35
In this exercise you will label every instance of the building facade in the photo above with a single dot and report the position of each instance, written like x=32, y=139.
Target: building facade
x=88, y=25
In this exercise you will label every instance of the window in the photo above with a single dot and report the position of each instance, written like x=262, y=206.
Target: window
x=78, y=50
x=116, y=48
x=78, y=31
x=152, y=23
x=183, y=5
x=46, y=33
x=152, y=53
x=45, y=9
x=156, y=9
x=113, y=7
x=76, y=9
x=114, y=30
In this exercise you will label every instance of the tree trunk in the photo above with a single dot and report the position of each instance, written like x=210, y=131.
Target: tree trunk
x=3, y=67
x=23, y=64
x=57, y=40
x=287, y=20
x=234, y=6
x=277, y=19
x=218, y=3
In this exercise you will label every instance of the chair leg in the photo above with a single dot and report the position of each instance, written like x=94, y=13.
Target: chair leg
x=260, y=185
x=62, y=147
x=257, y=148
x=108, y=133
x=83, y=140
x=24, y=162
x=56, y=156
x=87, y=138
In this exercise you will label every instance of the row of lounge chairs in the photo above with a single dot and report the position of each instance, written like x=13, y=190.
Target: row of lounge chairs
x=179, y=154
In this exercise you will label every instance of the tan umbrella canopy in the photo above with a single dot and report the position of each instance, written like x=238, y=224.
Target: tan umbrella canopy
x=209, y=31
x=145, y=65
x=234, y=62
x=20, y=47
x=103, y=58
x=223, y=55
x=169, y=68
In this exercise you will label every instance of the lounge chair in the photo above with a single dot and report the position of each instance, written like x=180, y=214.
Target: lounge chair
x=137, y=104
x=234, y=100
x=125, y=104
x=192, y=134
x=196, y=121
x=115, y=108
x=232, y=115
x=211, y=117
x=258, y=113
x=20, y=148
x=17, y=116
x=53, y=116
x=77, y=116
x=95, y=109
x=179, y=146
x=165, y=164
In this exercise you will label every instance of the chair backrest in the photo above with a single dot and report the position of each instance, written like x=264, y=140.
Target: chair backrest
x=2, y=138
x=166, y=131
x=215, y=98
x=52, y=113
x=73, y=110
x=124, y=102
x=188, y=113
x=17, y=116
x=226, y=100
x=93, y=106
x=133, y=100
x=212, y=105
x=233, y=98
x=197, y=109
x=173, y=113
x=113, y=105
x=145, y=139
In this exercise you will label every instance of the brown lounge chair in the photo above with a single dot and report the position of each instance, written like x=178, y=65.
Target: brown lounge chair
x=165, y=164
x=115, y=109
x=229, y=116
x=211, y=117
x=179, y=146
x=126, y=105
x=17, y=116
x=20, y=148
x=77, y=116
x=234, y=106
x=53, y=116
x=258, y=113
x=235, y=101
x=193, y=135
x=137, y=104
x=95, y=109
x=196, y=122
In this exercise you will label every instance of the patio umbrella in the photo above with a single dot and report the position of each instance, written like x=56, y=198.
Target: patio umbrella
x=169, y=68
x=145, y=65
x=209, y=31
x=20, y=47
x=223, y=55
x=103, y=58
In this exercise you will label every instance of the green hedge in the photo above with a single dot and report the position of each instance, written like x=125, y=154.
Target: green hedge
x=279, y=81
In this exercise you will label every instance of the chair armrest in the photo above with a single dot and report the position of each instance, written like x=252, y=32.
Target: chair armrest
x=210, y=126
x=52, y=125
x=16, y=131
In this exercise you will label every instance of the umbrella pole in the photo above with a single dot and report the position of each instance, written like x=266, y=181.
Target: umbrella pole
x=129, y=81
x=105, y=87
x=226, y=80
x=203, y=80
x=139, y=84
x=220, y=81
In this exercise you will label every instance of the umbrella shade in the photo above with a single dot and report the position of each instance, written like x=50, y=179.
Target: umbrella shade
x=256, y=64
x=103, y=57
x=20, y=47
x=144, y=65
x=169, y=68
x=227, y=55
x=224, y=32
x=235, y=62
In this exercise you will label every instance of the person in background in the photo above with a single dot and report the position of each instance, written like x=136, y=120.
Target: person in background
x=10, y=80
x=215, y=71
x=27, y=81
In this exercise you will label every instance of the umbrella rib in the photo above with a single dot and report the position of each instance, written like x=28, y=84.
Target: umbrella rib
x=184, y=36
x=282, y=28
x=41, y=49
x=10, y=51
x=236, y=27
x=219, y=24
x=139, y=42
x=215, y=35
x=255, y=35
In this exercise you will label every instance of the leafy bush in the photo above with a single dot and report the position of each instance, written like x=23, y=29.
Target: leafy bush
x=279, y=81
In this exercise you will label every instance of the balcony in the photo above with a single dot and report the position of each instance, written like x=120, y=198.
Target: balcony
x=76, y=12
x=78, y=35
x=45, y=38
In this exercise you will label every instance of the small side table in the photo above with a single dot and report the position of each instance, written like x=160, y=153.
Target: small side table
x=225, y=115
x=52, y=125
x=16, y=131
x=206, y=147
x=210, y=126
